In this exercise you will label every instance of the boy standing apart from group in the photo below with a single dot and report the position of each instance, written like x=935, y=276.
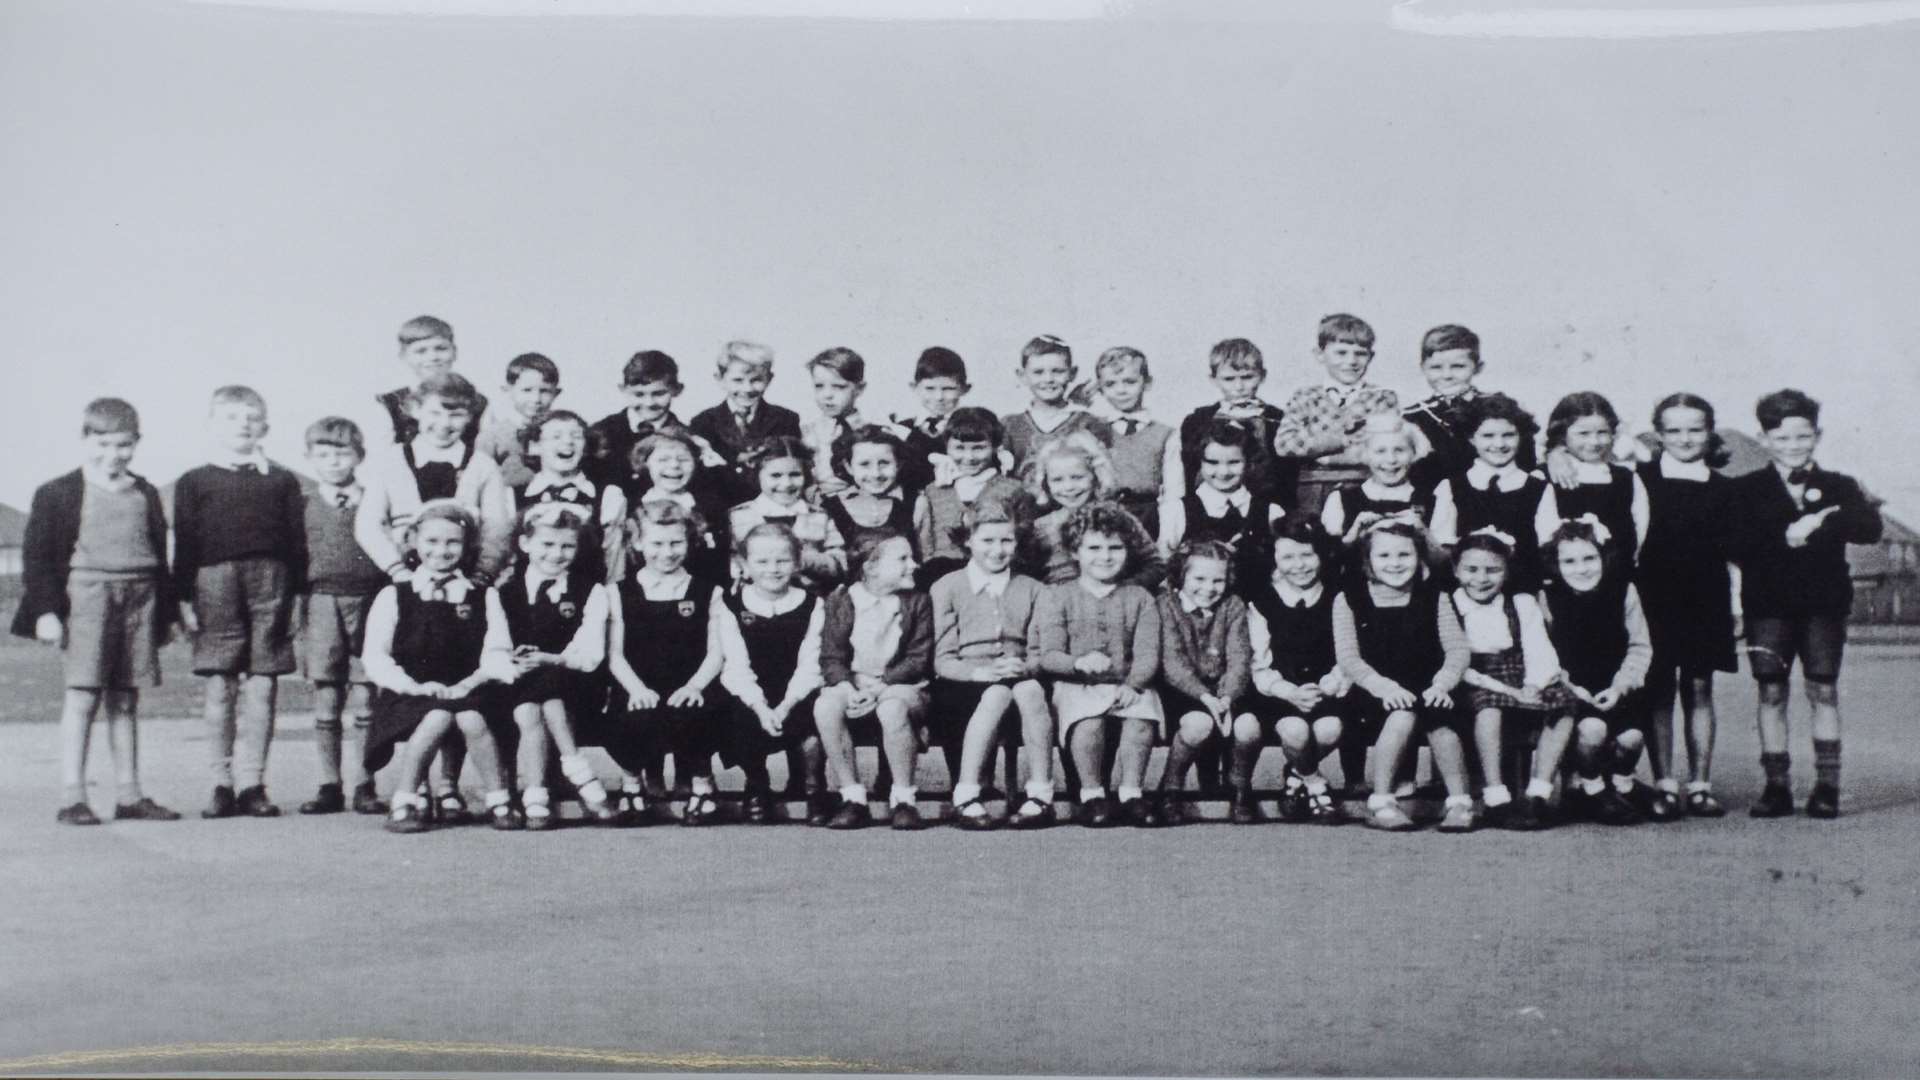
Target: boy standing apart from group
x=239, y=558
x=1793, y=522
x=93, y=565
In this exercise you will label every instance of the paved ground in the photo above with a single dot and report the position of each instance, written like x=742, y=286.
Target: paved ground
x=1729, y=948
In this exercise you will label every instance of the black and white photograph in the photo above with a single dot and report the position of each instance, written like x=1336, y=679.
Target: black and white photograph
x=966, y=537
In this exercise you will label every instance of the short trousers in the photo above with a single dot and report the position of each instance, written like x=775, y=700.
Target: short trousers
x=912, y=695
x=112, y=635
x=246, y=618
x=336, y=629
x=1817, y=640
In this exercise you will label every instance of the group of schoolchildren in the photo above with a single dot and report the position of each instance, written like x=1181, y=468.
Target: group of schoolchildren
x=1339, y=574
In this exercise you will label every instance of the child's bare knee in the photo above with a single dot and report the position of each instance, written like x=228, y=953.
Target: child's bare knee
x=1294, y=731
x=1592, y=731
x=1246, y=729
x=1823, y=692
x=1327, y=730
x=1773, y=691
x=472, y=725
x=1195, y=729
x=1028, y=693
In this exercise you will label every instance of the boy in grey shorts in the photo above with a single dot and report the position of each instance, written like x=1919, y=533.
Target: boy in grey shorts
x=94, y=570
x=239, y=559
x=341, y=583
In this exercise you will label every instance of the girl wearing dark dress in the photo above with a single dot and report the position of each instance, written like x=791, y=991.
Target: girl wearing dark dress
x=868, y=458
x=1494, y=491
x=1688, y=594
x=432, y=643
x=1585, y=426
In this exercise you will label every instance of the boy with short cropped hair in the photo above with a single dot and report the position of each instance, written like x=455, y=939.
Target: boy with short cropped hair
x=1237, y=369
x=532, y=384
x=1047, y=371
x=650, y=381
x=93, y=565
x=1450, y=361
x=341, y=584
x=839, y=377
x=1145, y=455
x=1792, y=523
x=434, y=464
x=426, y=347
x=239, y=559
x=971, y=445
x=745, y=417
x=939, y=383
x=1323, y=422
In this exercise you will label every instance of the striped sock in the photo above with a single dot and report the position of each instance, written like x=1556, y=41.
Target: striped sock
x=1776, y=765
x=1826, y=762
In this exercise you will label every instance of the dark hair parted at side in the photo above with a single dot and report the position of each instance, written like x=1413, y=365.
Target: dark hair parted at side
x=1579, y=404
x=1448, y=338
x=110, y=416
x=1783, y=405
x=1186, y=553
x=535, y=362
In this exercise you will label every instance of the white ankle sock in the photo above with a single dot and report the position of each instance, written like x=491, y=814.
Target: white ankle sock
x=1592, y=785
x=1496, y=795
x=1539, y=789
x=1669, y=785
x=965, y=793
x=1042, y=792
x=1381, y=802
x=1090, y=793
x=1696, y=786
x=854, y=793
x=498, y=797
x=1128, y=793
x=534, y=796
x=1622, y=783
x=701, y=785
x=1460, y=800
x=1316, y=784
x=903, y=795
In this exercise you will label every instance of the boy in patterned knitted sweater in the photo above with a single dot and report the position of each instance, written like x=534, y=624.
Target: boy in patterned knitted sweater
x=341, y=583
x=239, y=559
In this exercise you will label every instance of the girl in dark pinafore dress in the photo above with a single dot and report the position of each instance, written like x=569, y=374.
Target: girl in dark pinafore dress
x=869, y=459
x=1688, y=595
x=1585, y=425
x=433, y=643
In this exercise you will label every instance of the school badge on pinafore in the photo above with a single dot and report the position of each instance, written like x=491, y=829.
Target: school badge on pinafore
x=463, y=610
x=686, y=609
x=568, y=609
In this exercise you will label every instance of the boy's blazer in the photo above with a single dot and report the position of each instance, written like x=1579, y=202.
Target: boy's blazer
x=1777, y=580
x=53, y=527
x=721, y=432
x=911, y=663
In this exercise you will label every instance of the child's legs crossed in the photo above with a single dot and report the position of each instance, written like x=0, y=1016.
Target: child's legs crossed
x=983, y=724
x=1395, y=730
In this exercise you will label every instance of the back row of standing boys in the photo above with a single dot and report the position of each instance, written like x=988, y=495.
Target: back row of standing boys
x=1341, y=573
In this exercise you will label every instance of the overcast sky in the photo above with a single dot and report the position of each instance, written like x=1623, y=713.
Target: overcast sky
x=193, y=195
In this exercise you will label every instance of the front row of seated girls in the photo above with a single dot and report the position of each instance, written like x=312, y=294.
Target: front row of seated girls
x=1095, y=665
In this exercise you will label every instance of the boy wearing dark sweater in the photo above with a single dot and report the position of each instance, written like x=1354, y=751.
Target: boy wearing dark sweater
x=1793, y=522
x=341, y=583
x=239, y=559
x=93, y=564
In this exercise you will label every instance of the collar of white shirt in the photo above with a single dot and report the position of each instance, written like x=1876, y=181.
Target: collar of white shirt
x=332, y=494
x=1192, y=608
x=100, y=480
x=969, y=487
x=654, y=494
x=991, y=584
x=1592, y=472
x=1293, y=597
x=652, y=581
x=536, y=582
x=1684, y=470
x=866, y=600
x=425, y=452
x=455, y=585
x=578, y=481
x=765, y=507
x=1508, y=477
x=1401, y=492
x=1054, y=416
x=1484, y=623
x=255, y=460
x=1101, y=589
x=757, y=602
x=1217, y=501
